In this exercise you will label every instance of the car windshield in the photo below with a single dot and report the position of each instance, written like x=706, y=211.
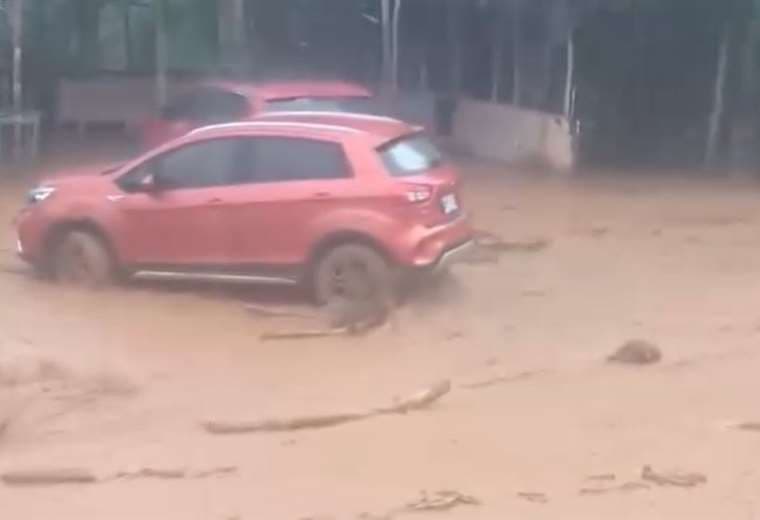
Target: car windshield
x=361, y=105
x=410, y=155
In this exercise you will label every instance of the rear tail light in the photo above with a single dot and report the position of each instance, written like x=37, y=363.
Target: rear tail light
x=418, y=193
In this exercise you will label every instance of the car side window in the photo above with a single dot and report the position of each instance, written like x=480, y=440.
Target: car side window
x=197, y=165
x=218, y=106
x=282, y=159
x=179, y=108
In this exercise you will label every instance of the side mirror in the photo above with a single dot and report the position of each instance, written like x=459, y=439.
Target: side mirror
x=145, y=185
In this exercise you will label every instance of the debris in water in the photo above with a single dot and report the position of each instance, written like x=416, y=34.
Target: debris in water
x=628, y=487
x=502, y=380
x=418, y=401
x=155, y=473
x=493, y=242
x=602, y=477
x=222, y=471
x=373, y=516
x=266, y=311
x=303, y=334
x=343, y=318
x=47, y=477
x=358, y=316
x=281, y=425
x=748, y=427
x=538, y=498
x=441, y=501
x=421, y=399
x=637, y=352
x=599, y=231
x=673, y=478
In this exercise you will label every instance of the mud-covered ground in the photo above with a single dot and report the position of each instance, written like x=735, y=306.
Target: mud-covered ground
x=120, y=380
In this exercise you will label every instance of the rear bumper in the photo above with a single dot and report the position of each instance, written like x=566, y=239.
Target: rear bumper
x=425, y=248
x=453, y=256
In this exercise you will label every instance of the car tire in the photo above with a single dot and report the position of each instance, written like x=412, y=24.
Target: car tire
x=81, y=258
x=352, y=272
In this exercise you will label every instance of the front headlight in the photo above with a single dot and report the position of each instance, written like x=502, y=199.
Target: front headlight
x=39, y=194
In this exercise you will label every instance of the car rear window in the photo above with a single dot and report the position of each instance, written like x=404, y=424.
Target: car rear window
x=410, y=155
x=357, y=105
x=208, y=105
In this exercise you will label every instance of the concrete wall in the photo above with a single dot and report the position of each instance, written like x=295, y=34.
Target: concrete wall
x=512, y=135
x=484, y=130
x=105, y=100
x=128, y=100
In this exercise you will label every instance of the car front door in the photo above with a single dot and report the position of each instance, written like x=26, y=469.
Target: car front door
x=282, y=184
x=170, y=215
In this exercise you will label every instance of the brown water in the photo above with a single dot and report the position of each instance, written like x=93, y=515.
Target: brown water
x=132, y=371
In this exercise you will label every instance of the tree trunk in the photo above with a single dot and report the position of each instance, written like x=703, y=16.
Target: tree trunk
x=455, y=46
x=387, y=43
x=570, y=77
x=396, y=40
x=497, y=54
x=162, y=53
x=716, y=116
x=232, y=33
x=516, y=51
x=88, y=20
x=128, y=53
x=17, y=26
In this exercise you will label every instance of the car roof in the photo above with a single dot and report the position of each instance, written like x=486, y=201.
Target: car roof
x=274, y=90
x=378, y=130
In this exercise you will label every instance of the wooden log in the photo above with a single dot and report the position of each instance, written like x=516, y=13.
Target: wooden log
x=47, y=477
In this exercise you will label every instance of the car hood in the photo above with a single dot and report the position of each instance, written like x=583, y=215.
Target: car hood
x=90, y=174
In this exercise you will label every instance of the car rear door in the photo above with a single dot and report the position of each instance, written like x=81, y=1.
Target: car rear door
x=178, y=224
x=283, y=185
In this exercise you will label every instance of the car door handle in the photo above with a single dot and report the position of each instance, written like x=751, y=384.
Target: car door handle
x=322, y=194
x=215, y=200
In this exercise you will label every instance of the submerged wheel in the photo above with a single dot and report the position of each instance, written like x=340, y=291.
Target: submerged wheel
x=81, y=258
x=352, y=272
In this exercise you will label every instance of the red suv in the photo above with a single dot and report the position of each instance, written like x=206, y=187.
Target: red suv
x=328, y=199
x=219, y=101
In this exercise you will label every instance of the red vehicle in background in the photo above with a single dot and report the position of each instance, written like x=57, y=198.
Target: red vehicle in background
x=335, y=201
x=219, y=101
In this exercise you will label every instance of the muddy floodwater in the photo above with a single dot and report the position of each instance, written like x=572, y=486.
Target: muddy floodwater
x=119, y=381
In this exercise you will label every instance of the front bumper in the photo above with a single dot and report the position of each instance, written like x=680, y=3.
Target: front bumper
x=30, y=228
